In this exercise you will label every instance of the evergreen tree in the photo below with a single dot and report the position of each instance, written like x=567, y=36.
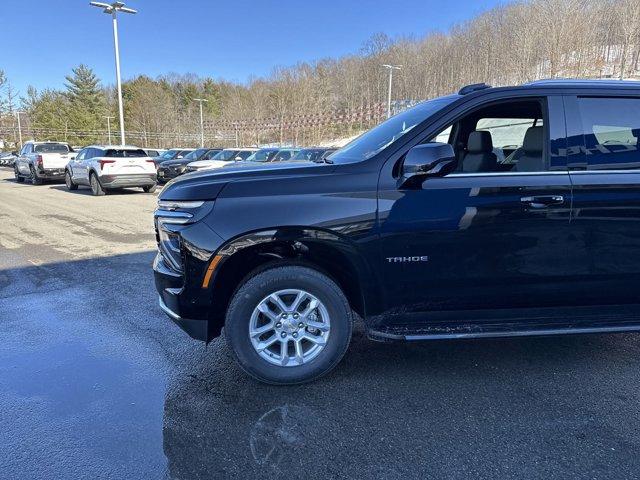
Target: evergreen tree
x=87, y=103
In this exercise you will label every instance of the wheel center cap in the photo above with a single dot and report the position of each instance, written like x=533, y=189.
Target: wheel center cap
x=290, y=325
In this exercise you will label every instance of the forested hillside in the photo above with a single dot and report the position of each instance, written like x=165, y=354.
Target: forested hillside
x=332, y=97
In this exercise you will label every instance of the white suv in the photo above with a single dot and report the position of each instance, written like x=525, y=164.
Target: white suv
x=106, y=167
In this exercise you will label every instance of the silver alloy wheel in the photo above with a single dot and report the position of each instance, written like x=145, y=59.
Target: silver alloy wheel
x=94, y=184
x=289, y=327
x=67, y=180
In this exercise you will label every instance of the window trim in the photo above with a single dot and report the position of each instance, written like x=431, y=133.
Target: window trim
x=544, y=101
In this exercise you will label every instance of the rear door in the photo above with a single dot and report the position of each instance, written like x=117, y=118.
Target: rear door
x=75, y=166
x=604, y=162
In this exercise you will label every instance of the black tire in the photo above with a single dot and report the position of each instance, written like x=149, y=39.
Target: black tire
x=259, y=286
x=69, y=181
x=19, y=178
x=94, y=183
x=35, y=179
x=150, y=188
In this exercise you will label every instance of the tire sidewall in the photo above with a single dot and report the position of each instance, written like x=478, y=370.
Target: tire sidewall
x=260, y=286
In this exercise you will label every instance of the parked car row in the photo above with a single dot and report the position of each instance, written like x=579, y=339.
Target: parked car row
x=7, y=159
x=108, y=167
x=100, y=167
x=205, y=159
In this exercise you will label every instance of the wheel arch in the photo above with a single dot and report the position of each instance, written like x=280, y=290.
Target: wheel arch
x=323, y=250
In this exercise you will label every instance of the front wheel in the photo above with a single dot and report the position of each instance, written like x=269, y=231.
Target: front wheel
x=16, y=173
x=69, y=181
x=288, y=325
x=96, y=188
x=150, y=188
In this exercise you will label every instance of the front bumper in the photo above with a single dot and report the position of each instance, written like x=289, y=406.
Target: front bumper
x=170, y=289
x=168, y=173
x=131, y=180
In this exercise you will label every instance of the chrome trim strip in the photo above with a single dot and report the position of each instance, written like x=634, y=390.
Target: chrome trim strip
x=524, y=333
x=167, y=310
x=600, y=172
x=506, y=174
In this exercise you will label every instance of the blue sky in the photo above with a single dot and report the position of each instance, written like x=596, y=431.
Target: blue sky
x=43, y=39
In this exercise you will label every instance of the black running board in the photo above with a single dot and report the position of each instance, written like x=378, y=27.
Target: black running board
x=440, y=334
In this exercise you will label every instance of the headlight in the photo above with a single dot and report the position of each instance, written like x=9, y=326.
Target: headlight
x=169, y=217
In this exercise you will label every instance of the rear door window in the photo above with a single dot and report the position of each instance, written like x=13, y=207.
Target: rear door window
x=611, y=130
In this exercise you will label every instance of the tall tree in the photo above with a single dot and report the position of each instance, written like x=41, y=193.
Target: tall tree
x=87, y=105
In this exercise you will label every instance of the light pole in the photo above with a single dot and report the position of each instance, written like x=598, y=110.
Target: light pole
x=391, y=68
x=112, y=9
x=109, y=128
x=200, y=100
x=19, y=128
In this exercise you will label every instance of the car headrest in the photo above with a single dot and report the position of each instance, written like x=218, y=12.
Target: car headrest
x=479, y=142
x=533, y=140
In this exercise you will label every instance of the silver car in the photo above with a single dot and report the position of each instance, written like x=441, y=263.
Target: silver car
x=107, y=167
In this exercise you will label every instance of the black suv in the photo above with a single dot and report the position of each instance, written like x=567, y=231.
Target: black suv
x=492, y=212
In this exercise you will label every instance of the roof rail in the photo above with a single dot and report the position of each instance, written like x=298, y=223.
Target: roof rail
x=474, y=87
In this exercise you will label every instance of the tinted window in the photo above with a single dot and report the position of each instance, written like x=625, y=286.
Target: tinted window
x=225, y=155
x=210, y=154
x=52, y=148
x=611, y=128
x=244, y=154
x=124, y=153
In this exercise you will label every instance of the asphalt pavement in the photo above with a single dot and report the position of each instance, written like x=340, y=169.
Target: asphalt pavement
x=96, y=382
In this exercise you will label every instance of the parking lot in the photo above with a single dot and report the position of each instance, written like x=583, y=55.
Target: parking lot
x=96, y=382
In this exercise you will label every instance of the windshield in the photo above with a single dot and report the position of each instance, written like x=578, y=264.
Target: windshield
x=169, y=154
x=196, y=154
x=225, y=155
x=51, y=148
x=380, y=137
x=262, y=155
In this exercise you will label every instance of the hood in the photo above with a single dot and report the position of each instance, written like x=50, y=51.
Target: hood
x=207, y=184
x=208, y=163
x=173, y=163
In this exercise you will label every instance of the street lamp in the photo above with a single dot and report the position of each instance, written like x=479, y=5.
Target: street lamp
x=391, y=68
x=112, y=9
x=200, y=100
x=19, y=128
x=109, y=128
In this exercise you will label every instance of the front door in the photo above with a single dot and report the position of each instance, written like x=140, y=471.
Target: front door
x=479, y=240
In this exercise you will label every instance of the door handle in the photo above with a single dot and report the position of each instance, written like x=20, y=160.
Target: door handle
x=542, y=201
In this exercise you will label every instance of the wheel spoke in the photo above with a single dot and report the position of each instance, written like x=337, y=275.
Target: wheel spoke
x=299, y=355
x=313, y=304
x=300, y=297
x=266, y=311
x=284, y=352
x=278, y=301
x=323, y=327
x=267, y=343
x=256, y=332
x=315, y=339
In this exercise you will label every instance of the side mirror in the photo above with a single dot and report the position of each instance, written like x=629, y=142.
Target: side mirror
x=428, y=160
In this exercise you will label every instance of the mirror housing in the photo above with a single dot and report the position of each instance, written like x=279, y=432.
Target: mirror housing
x=427, y=160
